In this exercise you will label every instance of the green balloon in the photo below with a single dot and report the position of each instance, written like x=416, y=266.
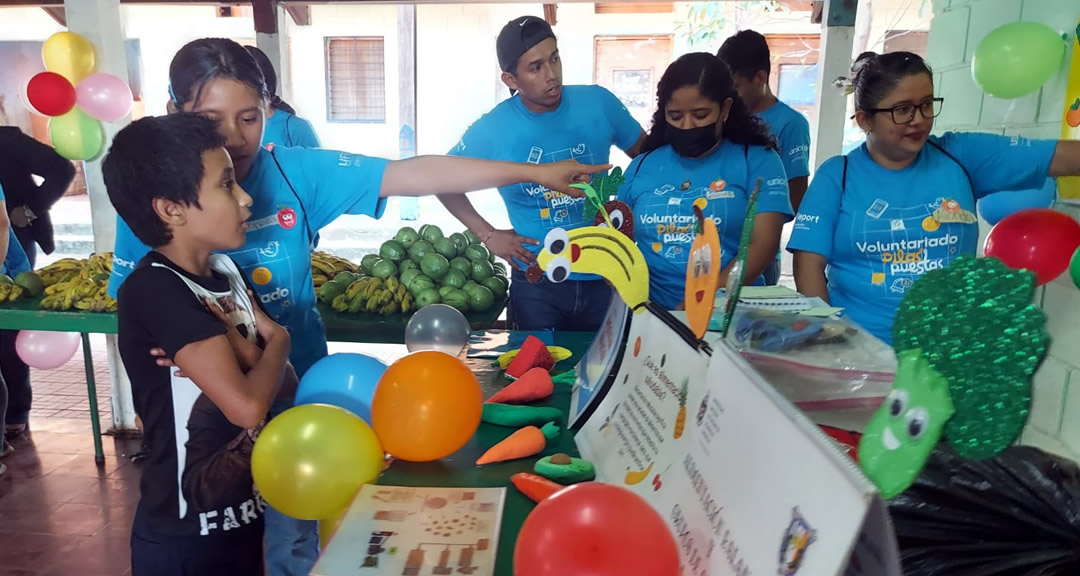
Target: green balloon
x=1016, y=59
x=1074, y=268
x=76, y=136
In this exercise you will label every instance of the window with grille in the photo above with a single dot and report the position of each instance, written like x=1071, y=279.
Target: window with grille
x=355, y=80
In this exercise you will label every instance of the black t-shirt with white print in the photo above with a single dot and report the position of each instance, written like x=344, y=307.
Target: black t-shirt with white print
x=197, y=481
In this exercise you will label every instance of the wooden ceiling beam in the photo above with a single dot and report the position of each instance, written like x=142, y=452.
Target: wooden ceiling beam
x=301, y=15
x=56, y=13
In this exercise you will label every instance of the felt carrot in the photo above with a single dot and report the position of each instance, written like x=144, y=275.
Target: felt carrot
x=534, y=486
x=521, y=444
x=534, y=384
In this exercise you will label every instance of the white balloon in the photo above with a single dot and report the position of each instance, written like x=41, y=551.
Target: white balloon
x=437, y=327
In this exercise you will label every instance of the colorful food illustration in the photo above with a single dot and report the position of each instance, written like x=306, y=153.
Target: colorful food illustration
x=680, y=419
x=636, y=477
x=601, y=251
x=702, y=275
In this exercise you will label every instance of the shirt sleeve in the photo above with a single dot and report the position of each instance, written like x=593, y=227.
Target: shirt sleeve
x=301, y=133
x=127, y=251
x=625, y=193
x=625, y=128
x=15, y=262
x=185, y=320
x=816, y=220
x=331, y=183
x=796, y=149
x=55, y=171
x=995, y=163
x=475, y=143
x=765, y=163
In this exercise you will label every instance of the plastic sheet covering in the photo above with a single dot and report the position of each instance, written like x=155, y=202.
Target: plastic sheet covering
x=819, y=364
x=1015, y=514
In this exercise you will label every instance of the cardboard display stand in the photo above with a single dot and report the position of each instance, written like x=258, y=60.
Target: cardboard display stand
x=1069, y=188
x=596, y=371
x=746, y=482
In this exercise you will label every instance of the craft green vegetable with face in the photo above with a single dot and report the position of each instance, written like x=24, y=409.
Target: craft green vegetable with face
x=967, y=341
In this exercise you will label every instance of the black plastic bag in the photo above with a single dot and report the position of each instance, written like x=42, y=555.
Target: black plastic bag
x=1015, y=514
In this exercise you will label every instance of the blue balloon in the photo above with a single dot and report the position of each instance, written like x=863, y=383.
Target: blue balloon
x=998, y=205
x=345, y=380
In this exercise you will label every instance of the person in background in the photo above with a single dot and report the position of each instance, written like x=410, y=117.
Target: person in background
x=543, y=121
x=297, y=192
x=747, y=54
x=28, y=206
x=704, y=149
x=15, y=261
x=875, y=220
x=283, y=126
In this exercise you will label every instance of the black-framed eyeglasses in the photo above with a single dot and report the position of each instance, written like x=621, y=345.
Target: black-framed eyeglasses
x=905, y=113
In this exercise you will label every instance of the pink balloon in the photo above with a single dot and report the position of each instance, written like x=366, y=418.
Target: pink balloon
x=104, y=97
x=46, y=350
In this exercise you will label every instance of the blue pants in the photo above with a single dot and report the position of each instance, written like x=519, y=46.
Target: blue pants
x=568, y=306
x=292, y=546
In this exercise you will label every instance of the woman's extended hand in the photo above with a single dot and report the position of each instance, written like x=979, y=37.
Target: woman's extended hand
x=558, y=176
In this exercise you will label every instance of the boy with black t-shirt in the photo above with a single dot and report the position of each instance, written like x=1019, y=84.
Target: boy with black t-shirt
x=172, y=181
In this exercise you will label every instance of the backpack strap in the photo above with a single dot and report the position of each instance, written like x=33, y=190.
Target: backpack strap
x=303, y=209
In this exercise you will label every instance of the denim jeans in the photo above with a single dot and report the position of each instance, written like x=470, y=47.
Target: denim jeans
x=17, y=375
x=772, y=273
x=292, y=546
x=569, y=306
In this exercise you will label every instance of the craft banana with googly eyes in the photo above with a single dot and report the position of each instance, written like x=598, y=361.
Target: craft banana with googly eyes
x=599, y=250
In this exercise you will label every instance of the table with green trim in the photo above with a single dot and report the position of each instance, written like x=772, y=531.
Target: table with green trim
x=26, y=314
x=460, y=469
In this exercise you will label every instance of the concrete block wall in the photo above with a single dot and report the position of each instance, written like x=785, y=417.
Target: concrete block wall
x=955, y=31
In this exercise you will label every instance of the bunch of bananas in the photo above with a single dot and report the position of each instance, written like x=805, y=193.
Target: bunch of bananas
x=9, y=290
x=79, y=284
x=373, y=295
x=325, y=266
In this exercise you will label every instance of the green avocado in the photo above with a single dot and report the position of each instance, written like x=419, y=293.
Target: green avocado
x=565, y=469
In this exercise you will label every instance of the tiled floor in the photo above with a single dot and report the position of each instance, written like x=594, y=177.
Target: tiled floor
x=60, y=513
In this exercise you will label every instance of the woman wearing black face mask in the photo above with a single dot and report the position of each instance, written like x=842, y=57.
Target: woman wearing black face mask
x=706, y=149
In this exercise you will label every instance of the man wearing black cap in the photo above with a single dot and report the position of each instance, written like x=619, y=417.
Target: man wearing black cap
x=543, y=121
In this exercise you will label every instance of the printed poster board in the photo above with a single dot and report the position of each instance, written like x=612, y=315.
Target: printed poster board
x=1069, y=188
x=750, y=486
x=596, y=371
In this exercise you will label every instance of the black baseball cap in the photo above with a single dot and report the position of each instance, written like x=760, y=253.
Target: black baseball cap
x=518, y=37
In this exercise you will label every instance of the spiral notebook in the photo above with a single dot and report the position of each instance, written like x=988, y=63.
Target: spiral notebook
x=770, y=297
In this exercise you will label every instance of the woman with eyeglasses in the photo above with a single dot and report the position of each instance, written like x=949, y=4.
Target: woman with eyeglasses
x=873, y=221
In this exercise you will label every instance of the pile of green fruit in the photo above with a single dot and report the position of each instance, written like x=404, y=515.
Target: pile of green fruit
x=25, y=284
x=419, y=268
x=80, y=284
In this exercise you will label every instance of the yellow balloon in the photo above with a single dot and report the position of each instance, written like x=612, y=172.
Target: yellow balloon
x=328, y=526
x=69, y=55
x=310, y=461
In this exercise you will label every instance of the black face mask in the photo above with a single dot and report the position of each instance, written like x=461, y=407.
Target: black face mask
x=692, y=142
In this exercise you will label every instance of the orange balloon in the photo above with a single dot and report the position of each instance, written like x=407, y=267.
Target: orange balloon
x=427, y=406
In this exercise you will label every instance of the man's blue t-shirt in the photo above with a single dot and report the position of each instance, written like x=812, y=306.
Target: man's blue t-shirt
x=792, y=133
x=586, y=124
x=15, y=261
x=277, y=255
x=886, y=228
x=661, y=188
x=289, y=130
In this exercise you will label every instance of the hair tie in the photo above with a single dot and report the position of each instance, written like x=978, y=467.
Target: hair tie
x=844, y=83
x=172, y=95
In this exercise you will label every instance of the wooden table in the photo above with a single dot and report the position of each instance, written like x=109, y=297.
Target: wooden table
x=26, y=314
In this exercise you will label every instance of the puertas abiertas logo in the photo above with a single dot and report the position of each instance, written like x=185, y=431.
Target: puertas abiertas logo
x=674, y=228
x=915, y=256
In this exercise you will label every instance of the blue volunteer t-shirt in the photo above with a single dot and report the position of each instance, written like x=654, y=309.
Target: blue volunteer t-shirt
x=586, y=124
x=15, y=261
x=277, y=255
x=661, y=188
x=889, y=227
x=792, y=133
x=289, y=130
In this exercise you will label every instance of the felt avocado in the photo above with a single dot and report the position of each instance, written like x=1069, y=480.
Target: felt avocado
x=564, y=469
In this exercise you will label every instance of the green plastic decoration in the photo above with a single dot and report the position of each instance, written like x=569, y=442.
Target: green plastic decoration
x=602, y=188
x=973, y=326
x=1016, y=59
x=735, y=274
x=903, y=432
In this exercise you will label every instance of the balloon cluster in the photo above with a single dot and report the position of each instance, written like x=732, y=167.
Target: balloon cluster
x=352, y=411
x=75, y=98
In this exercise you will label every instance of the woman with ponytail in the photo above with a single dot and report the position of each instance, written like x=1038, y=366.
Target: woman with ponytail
x=295, y=193
x=283, y=126
x=875, y=220
x=705, y=148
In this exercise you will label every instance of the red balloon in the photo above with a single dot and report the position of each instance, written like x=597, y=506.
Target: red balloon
x=595, y=529
x=1041, y=241
x=51, y=94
